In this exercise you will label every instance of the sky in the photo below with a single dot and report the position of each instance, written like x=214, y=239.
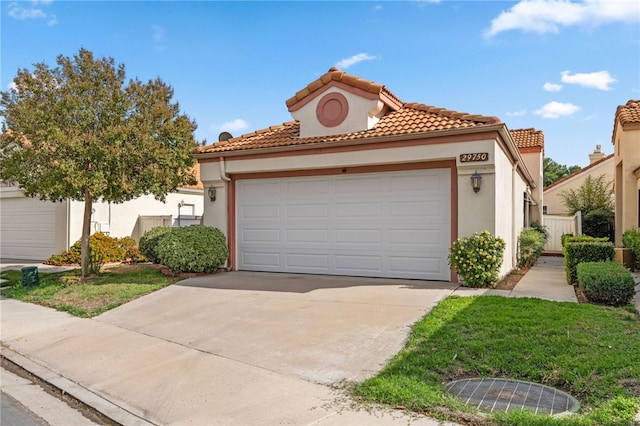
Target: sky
x=559, y=66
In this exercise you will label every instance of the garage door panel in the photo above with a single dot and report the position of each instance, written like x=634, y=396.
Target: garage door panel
x=261, y=190
x=358, y=210
x=394, y=224
x=307, y=211
x=359, y=185
x=261, y=212
x=261, y=235
x=311, y=236
x=27, y=229
x=304, y=188
x=318, y=262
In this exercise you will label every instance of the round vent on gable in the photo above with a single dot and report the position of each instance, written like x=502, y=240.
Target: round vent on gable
x=332, y=109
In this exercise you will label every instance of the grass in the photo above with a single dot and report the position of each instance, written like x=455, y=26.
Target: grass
x=591, y=352
x=66, y=291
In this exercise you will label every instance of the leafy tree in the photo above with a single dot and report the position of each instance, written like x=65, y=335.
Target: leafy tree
x=553, y=171
x=80, y=131
x=593, y=194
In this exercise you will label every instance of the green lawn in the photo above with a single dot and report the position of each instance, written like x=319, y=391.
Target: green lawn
x=66, y=291
x=591, y=352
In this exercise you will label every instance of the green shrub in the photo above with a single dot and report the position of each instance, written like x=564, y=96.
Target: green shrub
x=149, y=242
x=194, y=248
x=132, y=252
x=586, y=251
x=530, y=245
x=631, y=239
x=607, y=283
x=477, y=259
x=542, y=229
x=564, y=238
x=598, y=223
x=103, y=248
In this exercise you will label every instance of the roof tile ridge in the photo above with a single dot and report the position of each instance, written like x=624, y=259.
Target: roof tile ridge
x=453, y=114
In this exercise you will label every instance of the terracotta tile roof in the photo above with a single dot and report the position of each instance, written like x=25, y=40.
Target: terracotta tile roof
x=528, y=138
x=629, y=113
x=576, y=173
x=334, y=74
x=410, y=118
x=196, y=173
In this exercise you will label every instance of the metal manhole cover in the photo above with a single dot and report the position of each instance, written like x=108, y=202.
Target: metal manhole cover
x=500, y=395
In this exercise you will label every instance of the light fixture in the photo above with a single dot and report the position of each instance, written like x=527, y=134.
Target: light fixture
x=476, y=181
x=212, y=193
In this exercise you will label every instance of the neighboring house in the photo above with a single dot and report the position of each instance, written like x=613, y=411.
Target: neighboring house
x=32, y=229
x=364, y=184
x=530, y=143
x=599, y=164
x=626, y=143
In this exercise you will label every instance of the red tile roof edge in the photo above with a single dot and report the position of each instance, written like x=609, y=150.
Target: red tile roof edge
x=334, y=74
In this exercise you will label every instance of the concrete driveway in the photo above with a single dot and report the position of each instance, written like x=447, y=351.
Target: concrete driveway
x=235, y=348
x=320, y=329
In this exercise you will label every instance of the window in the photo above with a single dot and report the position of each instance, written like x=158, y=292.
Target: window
x=545, y=209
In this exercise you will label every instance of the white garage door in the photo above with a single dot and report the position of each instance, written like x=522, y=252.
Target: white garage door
x=392, y=224
x=27, y=229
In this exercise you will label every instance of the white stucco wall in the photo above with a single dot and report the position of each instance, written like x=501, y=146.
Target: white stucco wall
x=119, y=220
x=359, y=117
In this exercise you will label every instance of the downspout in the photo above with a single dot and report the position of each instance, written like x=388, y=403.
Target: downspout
x=514, y=236
x=226, y=178
x=223, y=173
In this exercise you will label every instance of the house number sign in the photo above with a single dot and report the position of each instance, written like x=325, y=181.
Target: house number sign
x=478, y=156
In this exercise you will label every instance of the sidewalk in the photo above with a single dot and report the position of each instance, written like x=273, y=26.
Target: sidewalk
x=545, y=280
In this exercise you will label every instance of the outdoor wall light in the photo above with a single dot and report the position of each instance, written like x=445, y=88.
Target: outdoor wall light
x=212, y=193
x=476, y=181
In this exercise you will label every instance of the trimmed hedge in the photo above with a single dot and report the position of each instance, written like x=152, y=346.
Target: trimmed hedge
x=194, y=248
x=607, y=283
x=586, y=251
x=149, y=242
x=631, y=239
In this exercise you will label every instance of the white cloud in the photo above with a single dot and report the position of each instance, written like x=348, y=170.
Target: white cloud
x=556, y=110
x=595, y=80
x=347, y=62
x=233, y=125
x=552, y=87
x=31, y=11
x=377, y=7
x=517, y=113
x=158, y=33
x=13, y=87
x=544, y=16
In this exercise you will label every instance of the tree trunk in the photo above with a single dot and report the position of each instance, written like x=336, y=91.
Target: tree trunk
x=86, y=232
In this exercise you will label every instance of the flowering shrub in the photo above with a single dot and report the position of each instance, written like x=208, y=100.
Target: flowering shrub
x=477, y=259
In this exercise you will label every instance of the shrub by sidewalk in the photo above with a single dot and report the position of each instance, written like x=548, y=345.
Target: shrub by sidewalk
x=607, y=283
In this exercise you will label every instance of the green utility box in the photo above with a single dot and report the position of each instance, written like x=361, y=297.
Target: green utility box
x=30, y=276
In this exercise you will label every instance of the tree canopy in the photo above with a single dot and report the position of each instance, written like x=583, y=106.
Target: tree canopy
x=553, y=171
x=80, y=131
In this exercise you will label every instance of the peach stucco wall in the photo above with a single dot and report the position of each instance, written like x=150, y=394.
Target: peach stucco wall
x=552, y=198
x=627, y=183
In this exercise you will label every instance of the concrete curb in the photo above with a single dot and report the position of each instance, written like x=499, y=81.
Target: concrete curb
x=86, y=396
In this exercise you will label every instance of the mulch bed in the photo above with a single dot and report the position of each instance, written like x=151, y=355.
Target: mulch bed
x=510, y=281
